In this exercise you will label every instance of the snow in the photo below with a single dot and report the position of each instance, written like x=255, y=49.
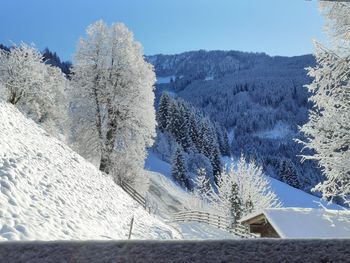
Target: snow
x=308, y=222
x=167, y=198
x=293, y=197
x=153, y=163
x=195, y=231
x=289, y=196
x=280, y=130
x=163, y=80
x=49, y=192
x=209, y=78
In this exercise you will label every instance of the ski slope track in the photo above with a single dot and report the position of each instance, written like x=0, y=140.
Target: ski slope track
x=49, y=192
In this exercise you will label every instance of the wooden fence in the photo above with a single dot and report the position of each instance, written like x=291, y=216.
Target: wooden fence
x=196, y=216
x=134, y=194
x=213, y=220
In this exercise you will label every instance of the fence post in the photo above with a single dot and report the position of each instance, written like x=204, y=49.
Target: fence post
x=131, y=225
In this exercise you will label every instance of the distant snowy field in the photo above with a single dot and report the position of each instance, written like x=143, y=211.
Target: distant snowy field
x=48, y=192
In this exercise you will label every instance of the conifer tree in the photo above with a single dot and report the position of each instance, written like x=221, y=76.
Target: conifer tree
x=288, y=173
x=162, y=112
x=179, y=168
x=236, y=204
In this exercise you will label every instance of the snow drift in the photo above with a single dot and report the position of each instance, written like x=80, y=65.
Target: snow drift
x=49, y=192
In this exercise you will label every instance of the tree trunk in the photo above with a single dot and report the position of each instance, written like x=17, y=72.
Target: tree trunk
x=108, y=147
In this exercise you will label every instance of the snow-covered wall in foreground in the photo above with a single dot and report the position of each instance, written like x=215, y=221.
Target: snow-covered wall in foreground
x=48, y=192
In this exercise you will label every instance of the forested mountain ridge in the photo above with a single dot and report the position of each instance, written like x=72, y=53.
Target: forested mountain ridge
x=260, y=99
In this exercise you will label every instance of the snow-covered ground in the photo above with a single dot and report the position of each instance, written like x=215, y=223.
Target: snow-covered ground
x=167, y=79
x=169, y=198
x=289, y=196
x=49, y=192
x=280, y=130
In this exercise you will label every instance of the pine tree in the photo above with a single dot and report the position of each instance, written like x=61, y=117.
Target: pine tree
x=222, y=139
x=216, y=162
x=179, y=169
x=202, y=189
x=288, y=173
x=249, y=206
x=162, y=112
x=202, y=186
x=236, y=204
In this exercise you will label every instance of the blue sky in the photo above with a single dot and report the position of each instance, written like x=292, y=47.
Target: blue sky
x=277, y=27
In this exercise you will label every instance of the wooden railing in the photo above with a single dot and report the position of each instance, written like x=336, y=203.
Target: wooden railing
x=133, y=193
x=213, y=220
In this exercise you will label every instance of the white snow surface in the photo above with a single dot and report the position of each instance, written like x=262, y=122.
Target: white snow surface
x=289, y=196
x=49, y=192
x=280, y=130
x=308, y=222
x=163, y=80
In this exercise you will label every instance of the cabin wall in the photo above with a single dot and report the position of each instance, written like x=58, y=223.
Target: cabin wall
x=265, y=230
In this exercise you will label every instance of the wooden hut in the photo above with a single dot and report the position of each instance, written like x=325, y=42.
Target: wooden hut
x=299, y=223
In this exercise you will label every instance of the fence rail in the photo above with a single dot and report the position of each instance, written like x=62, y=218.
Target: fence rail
x=133, y=193
x=213, y=220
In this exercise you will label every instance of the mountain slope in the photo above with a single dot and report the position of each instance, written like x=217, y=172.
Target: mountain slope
x=252, y=95
x=48, y=192
x=178, y=198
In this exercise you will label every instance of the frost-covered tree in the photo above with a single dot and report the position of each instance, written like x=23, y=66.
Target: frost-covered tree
x=329, y=124
x=179, y=169
x=114, y=91
x=222, y=139
x=236, y=204
x=337, y=16
x=201, y=182
x=288, y=174
x=37, y=89
x=202, y=188
x=254, y=191
x=162, y=112
x=328, y=128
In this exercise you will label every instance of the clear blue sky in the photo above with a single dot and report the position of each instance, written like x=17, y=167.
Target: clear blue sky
x=277, y=27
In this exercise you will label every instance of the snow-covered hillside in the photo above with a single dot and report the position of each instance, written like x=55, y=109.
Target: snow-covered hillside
x=289, y=196
x=48, y=192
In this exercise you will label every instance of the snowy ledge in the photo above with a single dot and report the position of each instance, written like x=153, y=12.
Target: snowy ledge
x=258, y=250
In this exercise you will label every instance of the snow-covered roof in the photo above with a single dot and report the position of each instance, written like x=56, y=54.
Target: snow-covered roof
x=306, y=222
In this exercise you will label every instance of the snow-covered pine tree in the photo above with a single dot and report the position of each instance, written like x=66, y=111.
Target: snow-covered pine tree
x=253, y=188
x=222, y=139
x=113, y=79
x=288, y=174
x=236, y=204
x=254, y=185
x=249, y=206
x=221, y=198
x=179, y=169
x=215, y=160
x=162, y=112
x=202, y=189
